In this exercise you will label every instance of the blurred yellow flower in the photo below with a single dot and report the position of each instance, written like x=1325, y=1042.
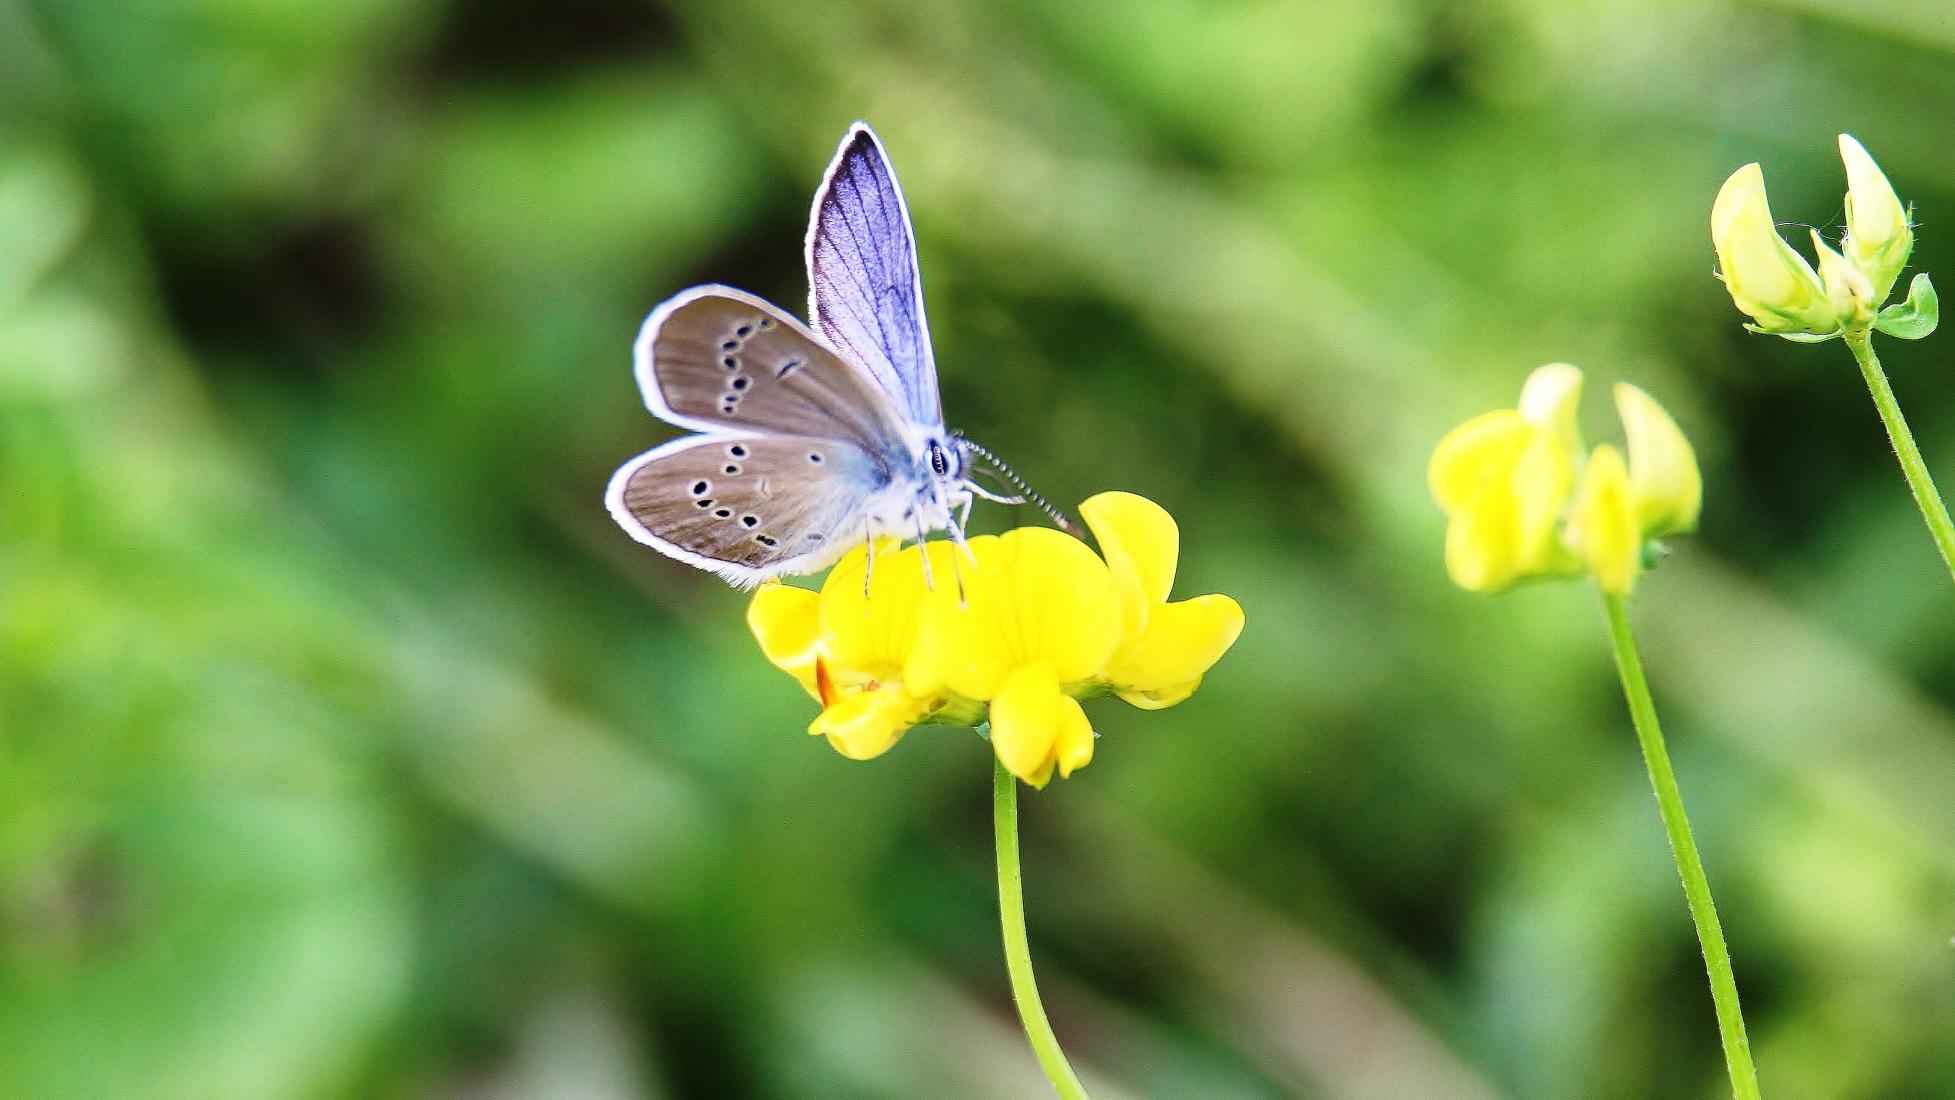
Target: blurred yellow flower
x=1520, y=503
x=1663, y=476
x=1036, y=623
x=1777, y=288
x=1602, y=525
x=1503, y=478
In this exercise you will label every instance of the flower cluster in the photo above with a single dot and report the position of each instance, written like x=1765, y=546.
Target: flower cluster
x=1520, y=501
x=1033, y=622
x=1783, y=294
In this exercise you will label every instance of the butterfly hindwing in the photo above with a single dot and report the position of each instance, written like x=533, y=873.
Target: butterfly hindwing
x=865, y=296
x=747, y=507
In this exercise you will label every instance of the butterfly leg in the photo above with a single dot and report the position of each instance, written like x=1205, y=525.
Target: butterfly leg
x=957, y=571
x=929, y=582
x=869, y=565
x=995, y=498
x=955, y=526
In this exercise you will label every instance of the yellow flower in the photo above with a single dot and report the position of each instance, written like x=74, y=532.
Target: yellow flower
x=1766, y=278
x=1504, y=478
x=1165, y=648
x=849, y=649
x=1774, y=284
x=1039, y=613
x=1029, y=624
x=1878, y=238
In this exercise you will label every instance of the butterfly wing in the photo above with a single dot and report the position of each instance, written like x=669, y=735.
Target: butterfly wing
x=864, y=293
x=720, y=360
x=747, y=507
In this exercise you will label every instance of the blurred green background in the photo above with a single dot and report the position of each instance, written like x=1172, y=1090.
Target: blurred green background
x=347, y=748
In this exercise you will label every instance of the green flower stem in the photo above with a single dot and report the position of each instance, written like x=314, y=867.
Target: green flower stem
x=1860, y=342
x=1696, y=888
x=1018, y=953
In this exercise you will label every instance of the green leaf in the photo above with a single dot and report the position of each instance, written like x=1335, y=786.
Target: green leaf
x=1914, y=318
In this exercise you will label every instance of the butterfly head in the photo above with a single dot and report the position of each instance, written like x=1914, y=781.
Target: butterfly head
x=946, y=459
x=942, y=473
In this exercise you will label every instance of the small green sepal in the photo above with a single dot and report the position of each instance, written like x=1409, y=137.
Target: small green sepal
x=1914, y=318
x=1798, y=337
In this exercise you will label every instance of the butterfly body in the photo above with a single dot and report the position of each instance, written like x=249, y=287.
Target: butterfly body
x=808, y=441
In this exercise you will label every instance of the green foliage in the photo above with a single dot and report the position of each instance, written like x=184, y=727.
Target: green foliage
x=347, y=749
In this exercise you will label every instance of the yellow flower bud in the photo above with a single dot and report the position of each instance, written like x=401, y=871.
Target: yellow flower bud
x=1602, y=528
x=1878, y=239
x=1765, y=277
x=1663, y=474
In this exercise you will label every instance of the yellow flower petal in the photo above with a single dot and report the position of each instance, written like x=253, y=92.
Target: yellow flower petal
x=1541, y=482
x=1765, y=277
x=863, y=725
x=871, y=632
x=1847, y=289
x=1162, y=698
x=1475, y=454
x=1035, y=727
x=1551, y=397
x=1182, y=642
x=1032, y=595
x=1663, y=474
x=1141, y=544
x=1502, y=479
x=1878, y=238
x=785, y=621
x=1603, y=529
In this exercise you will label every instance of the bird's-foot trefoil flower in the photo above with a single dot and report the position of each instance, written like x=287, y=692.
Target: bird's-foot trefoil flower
x=1847, y=297
x=1017, y=633
x=1521, y=501
x=1785, y=296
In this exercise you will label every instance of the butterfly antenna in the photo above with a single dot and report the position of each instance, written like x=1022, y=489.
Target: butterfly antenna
x=1024, y=489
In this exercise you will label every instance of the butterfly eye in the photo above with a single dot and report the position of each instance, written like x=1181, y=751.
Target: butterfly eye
x=938, y=463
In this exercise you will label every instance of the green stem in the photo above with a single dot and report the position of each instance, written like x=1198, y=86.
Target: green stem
x=1696, y=888
x=1860, y=342
x=1018, y=953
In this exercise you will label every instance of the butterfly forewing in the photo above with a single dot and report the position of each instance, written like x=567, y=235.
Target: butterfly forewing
x=722, y=360
x=864, y=293
x=747, y=507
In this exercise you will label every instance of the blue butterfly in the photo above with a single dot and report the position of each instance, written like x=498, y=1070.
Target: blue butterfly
x=809, y=442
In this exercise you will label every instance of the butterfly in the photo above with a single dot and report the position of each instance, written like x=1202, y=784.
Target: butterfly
x=809, y=441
